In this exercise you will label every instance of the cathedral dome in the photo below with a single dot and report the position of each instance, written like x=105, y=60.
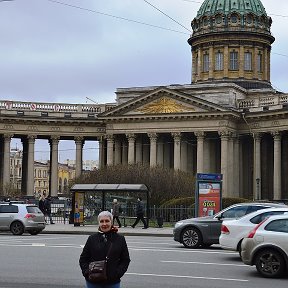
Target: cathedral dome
x=213, y=7
x=227, y=15
x=231, y=41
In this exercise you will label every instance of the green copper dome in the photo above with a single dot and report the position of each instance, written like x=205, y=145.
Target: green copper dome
x=212, y=7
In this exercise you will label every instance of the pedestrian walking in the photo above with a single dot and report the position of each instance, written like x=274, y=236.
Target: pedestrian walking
x=47, y=207
x=105, y=243
x=41, y=202
x=116, y=211
x=140, y=214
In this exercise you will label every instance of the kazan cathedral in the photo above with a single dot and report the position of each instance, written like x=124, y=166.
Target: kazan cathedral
x=229, y=120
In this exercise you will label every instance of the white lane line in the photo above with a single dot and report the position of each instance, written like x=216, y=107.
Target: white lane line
x=203, y=263
x=152, y=249
x=38, y=244
x=187, y=277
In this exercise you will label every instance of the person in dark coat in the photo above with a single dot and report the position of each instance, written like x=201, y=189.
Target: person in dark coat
x=140, y=214
x=116, y=212
x=47, y=207
x=96, y=249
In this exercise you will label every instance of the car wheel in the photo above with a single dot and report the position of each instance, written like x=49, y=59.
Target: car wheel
x=191, y=237
x=34, y=232
x=17, y=228
x=270, y=263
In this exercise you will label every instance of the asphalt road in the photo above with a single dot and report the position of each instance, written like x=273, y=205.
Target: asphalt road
x=52, y=261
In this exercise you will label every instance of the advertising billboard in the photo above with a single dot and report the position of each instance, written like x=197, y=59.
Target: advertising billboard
x=208, y=195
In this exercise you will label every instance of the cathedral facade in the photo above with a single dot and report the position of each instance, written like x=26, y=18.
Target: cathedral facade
x=229, y=120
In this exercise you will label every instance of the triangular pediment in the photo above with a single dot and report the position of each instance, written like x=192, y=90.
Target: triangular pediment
x=163, y=101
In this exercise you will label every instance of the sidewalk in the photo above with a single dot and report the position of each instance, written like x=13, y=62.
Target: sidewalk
x=59, y=228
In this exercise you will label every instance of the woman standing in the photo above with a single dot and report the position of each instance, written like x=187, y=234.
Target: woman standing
x=98, y=245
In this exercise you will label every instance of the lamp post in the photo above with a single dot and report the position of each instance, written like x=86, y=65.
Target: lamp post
x=258, y=188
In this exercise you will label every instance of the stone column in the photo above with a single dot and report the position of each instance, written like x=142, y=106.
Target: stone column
x=257, y=167
x=138, y=154
x=241, y=62
x=199, y=64
x=6, y=163
x=54, y=141
x=131, y=148
x=153, y=149
x=110, y=147
x=211, y=62
x=200, y=151
x=226, y=61
x=224, y=160
x=117, y=151
x=236, y=166
x=184, y=155
x=30, y=166
x=255, y=64
x=101, y=156
x=277, y=165
x=79, y=154
x=177, y=150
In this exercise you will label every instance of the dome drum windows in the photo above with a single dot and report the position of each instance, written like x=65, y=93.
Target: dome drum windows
x=248, y=61
x=206, y=62
x=219, y=61
x=234, y=61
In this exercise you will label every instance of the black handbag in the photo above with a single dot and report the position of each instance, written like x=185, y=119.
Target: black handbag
x=98, y=269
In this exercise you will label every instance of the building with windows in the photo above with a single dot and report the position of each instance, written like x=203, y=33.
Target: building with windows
x=228, y=120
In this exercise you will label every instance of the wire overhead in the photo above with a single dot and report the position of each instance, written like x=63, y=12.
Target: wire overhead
x=167, y=15
x=116, y=17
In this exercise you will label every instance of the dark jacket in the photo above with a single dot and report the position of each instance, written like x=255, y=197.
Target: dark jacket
x=96, y=248
x=140, y=208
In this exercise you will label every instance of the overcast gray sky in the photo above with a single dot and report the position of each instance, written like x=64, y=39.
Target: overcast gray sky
x=51, y=52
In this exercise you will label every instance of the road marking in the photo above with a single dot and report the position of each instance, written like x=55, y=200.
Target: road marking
x=187, y=277
x=152, y=249
x=203, y=263
x=38, y=244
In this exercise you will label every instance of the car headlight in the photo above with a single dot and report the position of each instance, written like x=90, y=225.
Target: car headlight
x=178, y=224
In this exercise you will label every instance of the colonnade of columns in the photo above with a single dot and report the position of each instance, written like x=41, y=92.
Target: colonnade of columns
x=28, y=162
x=227, y=161
x=193, y=152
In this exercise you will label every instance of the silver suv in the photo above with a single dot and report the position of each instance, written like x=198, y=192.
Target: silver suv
x=266, y=247
x=19, y=218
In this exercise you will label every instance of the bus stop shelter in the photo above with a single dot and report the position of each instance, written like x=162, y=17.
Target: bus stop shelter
x=88, y=200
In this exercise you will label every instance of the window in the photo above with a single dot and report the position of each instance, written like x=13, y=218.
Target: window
x=39, y=173
x=259, y=62
x=234, y=60
x=219, y=61
x=235, y=212
x=248, y=61
x=259, y=218
x=8, y=209
x=205, y=62
x=280, y=225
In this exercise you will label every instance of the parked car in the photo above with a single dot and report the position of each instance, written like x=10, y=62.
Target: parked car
x=233, y=231
x=266, y=247
x=19, y=218
x=205, y=231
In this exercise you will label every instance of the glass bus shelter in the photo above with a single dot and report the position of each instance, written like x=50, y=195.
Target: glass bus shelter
x=88, y=200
